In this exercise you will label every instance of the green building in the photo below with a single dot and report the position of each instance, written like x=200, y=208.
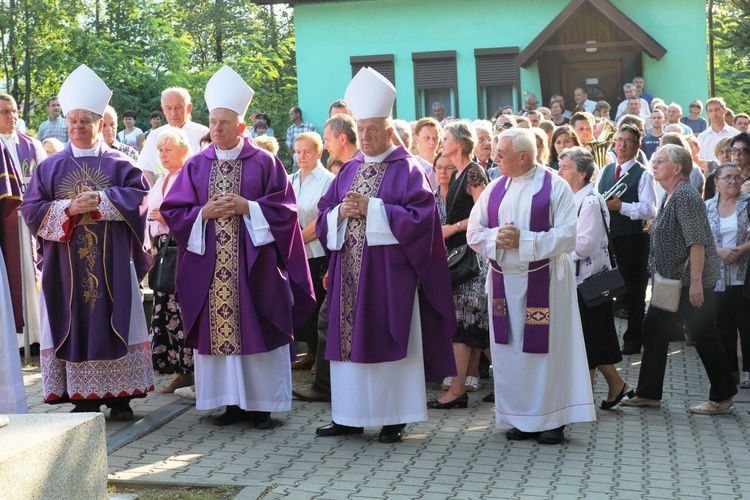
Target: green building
x=477, y=55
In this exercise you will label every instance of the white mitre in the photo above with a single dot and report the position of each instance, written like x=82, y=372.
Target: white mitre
x=227, y=89
x=370, y=95
x=83, y=89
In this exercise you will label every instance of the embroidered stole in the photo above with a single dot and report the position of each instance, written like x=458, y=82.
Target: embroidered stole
x=367, y=181
x=223, y=297
x=536, y=329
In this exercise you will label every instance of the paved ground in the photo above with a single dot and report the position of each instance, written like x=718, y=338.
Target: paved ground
x=626, y=453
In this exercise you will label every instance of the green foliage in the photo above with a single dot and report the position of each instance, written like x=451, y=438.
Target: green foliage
x=732, y=52
x=141, y=47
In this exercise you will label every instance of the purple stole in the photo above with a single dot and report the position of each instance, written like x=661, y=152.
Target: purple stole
x=536, y=329
x=26, y=155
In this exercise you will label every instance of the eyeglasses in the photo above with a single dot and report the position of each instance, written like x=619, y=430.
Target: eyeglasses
x=730, y=178
x=739, y=151
x=629, y=142
x=5, y=112
x=445, y=169
x=695, y=106
x=499, y=126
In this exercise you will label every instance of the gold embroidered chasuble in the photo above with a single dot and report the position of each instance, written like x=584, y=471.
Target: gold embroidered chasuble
x=366, y=182
x=223, y=296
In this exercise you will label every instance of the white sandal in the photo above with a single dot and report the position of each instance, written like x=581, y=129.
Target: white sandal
x=472, y=384
x=447, y=381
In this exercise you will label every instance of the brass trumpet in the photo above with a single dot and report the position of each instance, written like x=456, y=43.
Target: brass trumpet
x=618, y=188
x=600, y=146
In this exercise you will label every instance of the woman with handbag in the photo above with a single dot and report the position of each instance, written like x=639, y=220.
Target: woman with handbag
x=166, y=332
x=470, y=296
x=728, y=217
x=685, y=268
x=592, y=256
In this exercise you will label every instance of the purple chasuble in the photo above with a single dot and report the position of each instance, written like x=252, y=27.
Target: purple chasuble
x=10, y=198
x=238, y=298
x=86, y=279
x=26, y=155
x=371, y=289
x=536, y=329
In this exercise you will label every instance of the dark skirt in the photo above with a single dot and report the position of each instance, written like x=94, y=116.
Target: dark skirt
x=599, y=334
x=167, y=335
x=308, y=332
x=470, y=302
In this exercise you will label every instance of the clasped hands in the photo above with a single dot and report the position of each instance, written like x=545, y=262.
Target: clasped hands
x=354, y=206
x=729, y=255
x=85, y=202
x=508, y=237
x=225, y=207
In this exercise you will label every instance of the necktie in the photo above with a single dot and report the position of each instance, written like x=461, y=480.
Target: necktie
x=618, y=171
x=483, y=163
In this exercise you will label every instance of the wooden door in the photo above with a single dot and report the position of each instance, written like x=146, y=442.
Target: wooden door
x=601, y=79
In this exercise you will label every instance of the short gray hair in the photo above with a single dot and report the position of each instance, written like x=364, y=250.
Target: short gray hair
x=463, y=131
x=403, y=129
x=522, y=139
x=583, y=159
x=629, y=86
x=177, y=90
x=680, y=156
x=482, y=126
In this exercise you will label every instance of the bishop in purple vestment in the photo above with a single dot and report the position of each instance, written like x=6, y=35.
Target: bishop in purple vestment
x=390, y=306
x=88, y=206
x=242, y=280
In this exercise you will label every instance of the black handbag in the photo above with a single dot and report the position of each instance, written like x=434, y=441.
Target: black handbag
x=606, y=285
x=161, y=277
x=463, y=264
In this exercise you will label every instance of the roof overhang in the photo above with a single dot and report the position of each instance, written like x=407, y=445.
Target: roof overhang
x=647, y=43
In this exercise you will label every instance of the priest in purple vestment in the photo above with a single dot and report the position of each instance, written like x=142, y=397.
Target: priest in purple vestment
x=88, y=204
x=390, y=305
x=242, y=280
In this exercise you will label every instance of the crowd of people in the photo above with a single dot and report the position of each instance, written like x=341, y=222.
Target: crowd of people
x=399, y=253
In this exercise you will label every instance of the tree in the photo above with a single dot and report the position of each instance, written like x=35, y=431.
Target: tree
x=732, y=52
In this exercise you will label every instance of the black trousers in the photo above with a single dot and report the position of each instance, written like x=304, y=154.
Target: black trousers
x=632, y=259
x=701, y=323
x=733, y=314
x=322, y=379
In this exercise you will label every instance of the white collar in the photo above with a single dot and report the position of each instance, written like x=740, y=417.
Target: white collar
x=13, y=137
x=382, y=156
x=78, y=152
x=229, y=154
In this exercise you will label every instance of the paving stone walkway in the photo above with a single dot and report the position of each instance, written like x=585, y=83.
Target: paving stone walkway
x=627, y=453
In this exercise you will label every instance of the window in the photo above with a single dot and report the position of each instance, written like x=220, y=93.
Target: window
x=383, y=64
x=497, y=80
x=435, y=80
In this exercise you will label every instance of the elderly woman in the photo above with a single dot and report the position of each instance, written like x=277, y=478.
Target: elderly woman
x=444, y=169
x=682, y=248
x=557, y=111
x=721, y=151
x=310, y=182
x=728, y=218
x=591, y=256
x=470, y=298
x=167, y=335
x=564, y=137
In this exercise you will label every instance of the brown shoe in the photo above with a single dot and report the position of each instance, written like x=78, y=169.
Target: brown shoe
x=311, y=394
x=305, y=363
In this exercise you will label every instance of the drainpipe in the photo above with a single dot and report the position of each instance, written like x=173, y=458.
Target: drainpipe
x=711, y=72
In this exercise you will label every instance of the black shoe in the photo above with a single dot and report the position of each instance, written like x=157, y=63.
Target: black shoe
x=608, y=405
x=334, y=429
x=232, y=415
x=85, y=407
x=553, y=436
x=514, y=434
x=621, y=313
x=391, y=433
x=630, y=349
x=460, y=402
x=489, y=398
x=260, y=419
x=311, y=394
x=121, y=413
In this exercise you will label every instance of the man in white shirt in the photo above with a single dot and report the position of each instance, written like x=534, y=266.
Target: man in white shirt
x=177, y=106
x=583, y=103
x=715, y=109
x=630, y=92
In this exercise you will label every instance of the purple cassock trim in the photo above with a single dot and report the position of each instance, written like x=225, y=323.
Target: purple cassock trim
x=26, y=155
x=536, y=329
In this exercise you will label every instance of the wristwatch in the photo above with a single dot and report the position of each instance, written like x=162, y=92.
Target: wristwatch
x=458, y=225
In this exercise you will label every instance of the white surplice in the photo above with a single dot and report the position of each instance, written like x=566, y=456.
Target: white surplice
x=536, y=392
x=254, y=382
x=12, y=394
x=376, y=394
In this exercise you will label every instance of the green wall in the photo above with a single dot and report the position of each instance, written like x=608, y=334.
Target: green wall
x=329, y=33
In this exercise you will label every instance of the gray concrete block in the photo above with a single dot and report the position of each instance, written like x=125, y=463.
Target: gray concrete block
x=43, y=455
